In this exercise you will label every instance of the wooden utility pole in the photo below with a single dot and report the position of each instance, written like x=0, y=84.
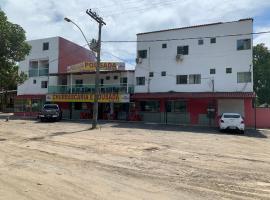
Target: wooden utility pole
x=100, y=22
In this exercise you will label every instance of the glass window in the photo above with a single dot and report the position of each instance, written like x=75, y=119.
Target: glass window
x=243, y=44
x=181, y=79
x=115, y=77
x=34, y=81
x=194, y=79
x=77, y=106
x=45, y=46
x=177, y=106
x=44, y=84
x=182, y=50
x=200, y=42
x=231, y=116
x=164, y=46
x=79, y=82
x=123, y=81
x=151, y=74
x=212, y=71
x=213, y=40
x=142, y=54
x=163, y=73
x=140, y=80
x=243, y=77
x=150, y=106
x=228, y=70
x=108, y=77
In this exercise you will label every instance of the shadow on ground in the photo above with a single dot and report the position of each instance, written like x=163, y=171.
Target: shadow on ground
x=192, y=129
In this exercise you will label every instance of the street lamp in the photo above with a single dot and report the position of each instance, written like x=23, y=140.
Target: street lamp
x=69, y=20
x=95, y=111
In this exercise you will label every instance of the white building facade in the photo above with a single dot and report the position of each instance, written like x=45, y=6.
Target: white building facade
x=208, y=65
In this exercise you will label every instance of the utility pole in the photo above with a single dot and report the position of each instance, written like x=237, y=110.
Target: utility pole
x=100, y=22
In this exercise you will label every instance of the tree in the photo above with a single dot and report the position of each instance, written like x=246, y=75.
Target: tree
x=261, y=62
x=13, y=48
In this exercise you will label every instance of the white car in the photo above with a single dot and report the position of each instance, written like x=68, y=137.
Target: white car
x=232, y=121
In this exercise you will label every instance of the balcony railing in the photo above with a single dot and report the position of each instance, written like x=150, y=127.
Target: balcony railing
x=65, y=89
x=38, y=72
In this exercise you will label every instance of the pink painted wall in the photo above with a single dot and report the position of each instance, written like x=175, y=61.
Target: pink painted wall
x=263, y=117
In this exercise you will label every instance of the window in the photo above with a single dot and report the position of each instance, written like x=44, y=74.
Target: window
x=123, y=80
x=181, y=79
x=151, y=74
x=164, y=46
x=115, y=77
x=177, y=106
x=150, y=106
x=44, y=84
x=213, y=71
x=182, y=50
x=163, y=73
x=243, y=44
x=142, y=54
x=200, y=42
x=108, y=78
x=140, y=80
x=228, y=70
x=45, y=46
x=78, y=83
x=77, y=106
x=243, y=77
x=34, y=81
x=194, y=79
x=213, y=40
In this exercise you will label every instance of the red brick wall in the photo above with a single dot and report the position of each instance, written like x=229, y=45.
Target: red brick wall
x=71, y=53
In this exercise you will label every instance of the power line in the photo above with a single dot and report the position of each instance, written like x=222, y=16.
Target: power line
x=180, y=39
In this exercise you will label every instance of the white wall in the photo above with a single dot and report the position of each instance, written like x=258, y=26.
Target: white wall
x=201, y=58
x=28, y=87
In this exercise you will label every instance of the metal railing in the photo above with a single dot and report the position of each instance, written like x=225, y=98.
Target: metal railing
x=38, y=72
x=85, y=88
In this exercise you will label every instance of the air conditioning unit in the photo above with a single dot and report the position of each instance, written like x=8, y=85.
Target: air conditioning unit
x=179, y=57
x=138, y=60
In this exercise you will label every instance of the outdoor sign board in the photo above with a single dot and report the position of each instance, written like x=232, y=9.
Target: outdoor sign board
x=91, y=66
x=103, y=98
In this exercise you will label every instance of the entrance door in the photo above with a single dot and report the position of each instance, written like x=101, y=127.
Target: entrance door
x=176, y=112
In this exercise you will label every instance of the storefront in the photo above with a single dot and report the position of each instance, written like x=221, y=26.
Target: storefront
x=112, y=106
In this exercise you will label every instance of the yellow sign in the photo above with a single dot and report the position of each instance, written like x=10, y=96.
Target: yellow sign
x=103, y=98
x=91, y=66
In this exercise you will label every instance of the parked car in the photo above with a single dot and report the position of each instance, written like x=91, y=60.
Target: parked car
x=232, y=121
x=50, y=112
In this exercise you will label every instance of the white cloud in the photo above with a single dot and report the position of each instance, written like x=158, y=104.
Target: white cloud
x=125, y=18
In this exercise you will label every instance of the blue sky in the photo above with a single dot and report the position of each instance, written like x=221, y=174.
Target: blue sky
x=125, y=18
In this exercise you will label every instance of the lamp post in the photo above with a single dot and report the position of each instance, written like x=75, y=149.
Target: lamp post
x=94, y=123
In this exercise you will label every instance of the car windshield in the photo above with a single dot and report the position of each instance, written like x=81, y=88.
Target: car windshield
x=50, y=107
x=231, y=116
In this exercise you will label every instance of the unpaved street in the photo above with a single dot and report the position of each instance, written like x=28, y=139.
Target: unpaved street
x=65, y=160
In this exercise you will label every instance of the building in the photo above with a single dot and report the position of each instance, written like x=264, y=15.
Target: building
x=191, y=75
x=49, y=55
x=75, y=89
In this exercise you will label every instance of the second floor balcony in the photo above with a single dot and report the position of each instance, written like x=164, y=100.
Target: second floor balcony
x=38, y=72
x=90, y=88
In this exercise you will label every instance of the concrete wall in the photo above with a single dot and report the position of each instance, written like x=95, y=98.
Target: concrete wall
x=37, y=53
x=201, y=58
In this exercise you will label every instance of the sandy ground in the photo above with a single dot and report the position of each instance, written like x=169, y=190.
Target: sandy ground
x=65, y=160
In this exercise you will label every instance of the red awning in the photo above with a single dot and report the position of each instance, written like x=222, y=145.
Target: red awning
x=31, y=96
x=174, y=95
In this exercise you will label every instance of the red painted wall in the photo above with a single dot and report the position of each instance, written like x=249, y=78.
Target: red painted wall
x=196, y=107
x=263, y=117
x=71, y=53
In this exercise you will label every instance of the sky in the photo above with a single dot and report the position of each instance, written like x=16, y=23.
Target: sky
x=125, y=18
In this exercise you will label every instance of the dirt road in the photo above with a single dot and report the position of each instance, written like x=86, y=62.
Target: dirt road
x=65, y=160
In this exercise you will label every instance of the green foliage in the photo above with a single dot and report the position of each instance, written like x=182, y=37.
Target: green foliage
x=261, y=62
x=13, y=48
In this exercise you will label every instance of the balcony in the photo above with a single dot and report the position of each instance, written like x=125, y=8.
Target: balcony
x=38, y=72
x=67, y=89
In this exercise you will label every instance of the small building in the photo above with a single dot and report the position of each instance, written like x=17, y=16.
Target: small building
x=75, y=89
x=48, y=55
x=191, y=75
